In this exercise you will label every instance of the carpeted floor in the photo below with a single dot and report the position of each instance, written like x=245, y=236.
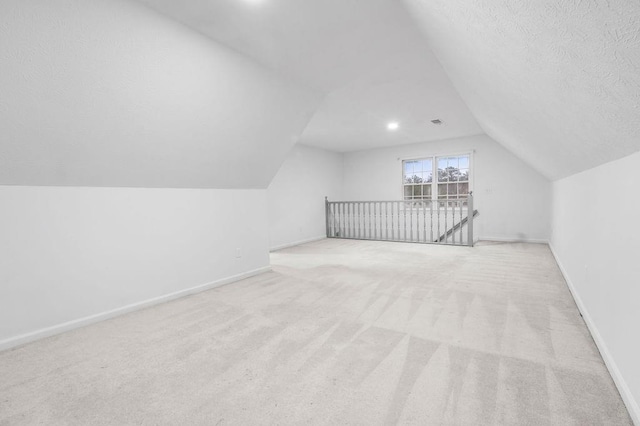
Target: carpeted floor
x=341, y=332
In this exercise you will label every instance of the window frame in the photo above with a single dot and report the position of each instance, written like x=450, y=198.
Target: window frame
x=434, y=170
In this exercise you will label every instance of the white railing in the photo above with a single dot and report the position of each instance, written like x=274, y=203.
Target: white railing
x=417, y=221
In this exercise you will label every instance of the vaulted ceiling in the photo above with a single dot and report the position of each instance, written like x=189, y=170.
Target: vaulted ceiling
x=369, y=58
x=557, y=83
x=110, y=93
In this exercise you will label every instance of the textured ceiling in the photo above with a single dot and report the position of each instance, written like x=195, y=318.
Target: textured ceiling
x=369, y=58
x=556, y=82
x=110, y=93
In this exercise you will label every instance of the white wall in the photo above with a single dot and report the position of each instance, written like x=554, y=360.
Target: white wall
x=296, y=195
x=512, y=198
x=597, y=243
x=109, y=93
x=70, y=253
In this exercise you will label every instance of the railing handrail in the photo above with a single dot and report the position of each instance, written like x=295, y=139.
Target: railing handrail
x=399, y=201
x=391, y=220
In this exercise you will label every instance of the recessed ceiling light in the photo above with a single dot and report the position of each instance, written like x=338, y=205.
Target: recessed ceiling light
x=393, y=125
x=436, y=121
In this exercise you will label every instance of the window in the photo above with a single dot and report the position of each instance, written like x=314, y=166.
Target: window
x=449, y=182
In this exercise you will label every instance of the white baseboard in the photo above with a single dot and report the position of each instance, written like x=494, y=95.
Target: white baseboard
x=618, y=379
x=513, y=240
x=297, y=243
x=12, y=342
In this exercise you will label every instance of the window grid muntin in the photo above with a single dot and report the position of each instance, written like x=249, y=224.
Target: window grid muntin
x=451, y=180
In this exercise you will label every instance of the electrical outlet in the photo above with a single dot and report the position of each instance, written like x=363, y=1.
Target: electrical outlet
x=238, y=253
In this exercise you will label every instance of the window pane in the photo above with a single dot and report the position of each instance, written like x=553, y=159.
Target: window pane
x=452, y=190
x=415, y=178
x=442, y=163
x=463, y=189
x=407, y=191
x=442, y=190
x=451, y=174
x=408, y=167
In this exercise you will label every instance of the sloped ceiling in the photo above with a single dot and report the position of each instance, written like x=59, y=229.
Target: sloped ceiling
x=110, y=93
x=410, y=88
x=369, y=58
x=556, y=82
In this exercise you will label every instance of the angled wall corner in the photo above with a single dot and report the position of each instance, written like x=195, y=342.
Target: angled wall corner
x=296, y=195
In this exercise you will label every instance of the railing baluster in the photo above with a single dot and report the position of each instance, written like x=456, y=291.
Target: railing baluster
x=446, y=213
x=393, y=222
x=369, y=208
x=460, y=222
x=333, y=222
x=362, y=221
x=375, y=220
x=438, y=211
x=353, y=219
x=358, y=206
x=424, y=221
x=345, y=223
x=405, y=220
x=460, y=234
x=389, y=221
x=470, y=219
x=431, y=204
x=397, y=208
x=410, y=219
x=332, y=219
x=349, y=205
x=378, y=222
x=344, y=220
x=343, y=232
x=386, y=219
x=372, y=225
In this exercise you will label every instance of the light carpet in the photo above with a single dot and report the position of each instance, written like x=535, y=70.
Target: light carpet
x=341, y=332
